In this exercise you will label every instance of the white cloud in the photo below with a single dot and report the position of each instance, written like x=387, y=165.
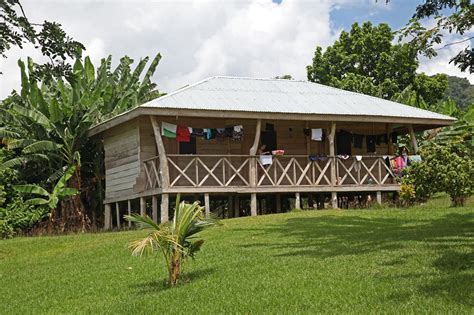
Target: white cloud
x=196, y=38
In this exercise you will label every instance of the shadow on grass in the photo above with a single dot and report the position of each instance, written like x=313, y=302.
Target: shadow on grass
x=351, y=235
x=162, y=285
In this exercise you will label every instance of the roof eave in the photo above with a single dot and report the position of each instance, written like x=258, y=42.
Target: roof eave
x=175, y=112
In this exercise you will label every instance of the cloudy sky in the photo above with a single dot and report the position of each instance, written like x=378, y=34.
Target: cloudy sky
x=197, y=38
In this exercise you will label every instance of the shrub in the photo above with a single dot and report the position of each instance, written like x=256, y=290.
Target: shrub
x=445, y=168
x=407, y=195
x=18, y=216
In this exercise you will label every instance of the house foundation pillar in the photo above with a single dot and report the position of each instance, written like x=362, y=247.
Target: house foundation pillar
x=253, y=205
x=207, y=205
x=154, y=208
x=108, y=217
x=297, y=201
x=117, y=214
x=164, y=208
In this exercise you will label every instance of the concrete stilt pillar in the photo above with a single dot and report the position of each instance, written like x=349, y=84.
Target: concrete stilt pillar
x=117, y=213
x=379, y=197
x=129, y=208
x=108, y=216
x=278, y=203
x=253, y=205
x=164, y=208
x=334, y=200
x=154, y=208
x=297, y=201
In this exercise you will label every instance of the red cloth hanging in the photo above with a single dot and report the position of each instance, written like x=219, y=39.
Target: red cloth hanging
x=182, y=134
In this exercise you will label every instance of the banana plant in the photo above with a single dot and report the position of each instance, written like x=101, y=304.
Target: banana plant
x=52, y=199
x=47, y=122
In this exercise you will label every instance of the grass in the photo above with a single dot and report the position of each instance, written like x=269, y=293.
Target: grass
x=417, y=260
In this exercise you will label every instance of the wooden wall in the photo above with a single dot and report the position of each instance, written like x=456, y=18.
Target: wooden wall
x=122, y=165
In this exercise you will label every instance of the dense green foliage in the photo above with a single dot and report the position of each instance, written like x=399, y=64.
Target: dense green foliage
x=413, y=260
x=445, y=168
x=46, y=125
x=452, y=16
x=365, y=60
x=176, y=240
x=48, y=37
x=461, y=91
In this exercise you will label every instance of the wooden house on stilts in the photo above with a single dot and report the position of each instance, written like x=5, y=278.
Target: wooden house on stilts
x=248, y=139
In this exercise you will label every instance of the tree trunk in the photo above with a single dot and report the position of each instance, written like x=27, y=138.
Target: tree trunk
x=175, y=272
x=73, y=216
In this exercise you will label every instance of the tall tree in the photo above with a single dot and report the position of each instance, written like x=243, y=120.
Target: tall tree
x=16, y=30
x=365, y=60
x=451, y=16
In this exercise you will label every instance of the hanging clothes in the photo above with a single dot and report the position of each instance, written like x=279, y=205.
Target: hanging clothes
x=228, y=131
x=266, y=159
x=317, y=134
x=183, y=134
x=238, y=133
x=210, y=133
x=168, y=130
x=197, y=132
x=358, y=140
x=343, y=142
x=370, y=143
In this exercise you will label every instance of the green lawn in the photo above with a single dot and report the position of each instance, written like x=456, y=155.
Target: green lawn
x=351, y=261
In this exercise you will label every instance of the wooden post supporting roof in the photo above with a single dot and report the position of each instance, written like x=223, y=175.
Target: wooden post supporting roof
x=108, y=216
x=413, y=139
x=165, y=178
x=332, y=154
x=164, y=171
x=253, y=167
x=308, y=139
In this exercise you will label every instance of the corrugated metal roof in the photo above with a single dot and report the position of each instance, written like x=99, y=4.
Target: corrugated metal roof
x=283, y=96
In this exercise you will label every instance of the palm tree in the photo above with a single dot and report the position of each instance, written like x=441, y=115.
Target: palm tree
x=176, y=240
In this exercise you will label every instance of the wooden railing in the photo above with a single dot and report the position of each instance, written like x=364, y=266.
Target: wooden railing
x=285, y=170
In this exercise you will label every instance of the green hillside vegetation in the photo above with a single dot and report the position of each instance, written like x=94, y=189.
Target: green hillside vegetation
x=461, y=91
